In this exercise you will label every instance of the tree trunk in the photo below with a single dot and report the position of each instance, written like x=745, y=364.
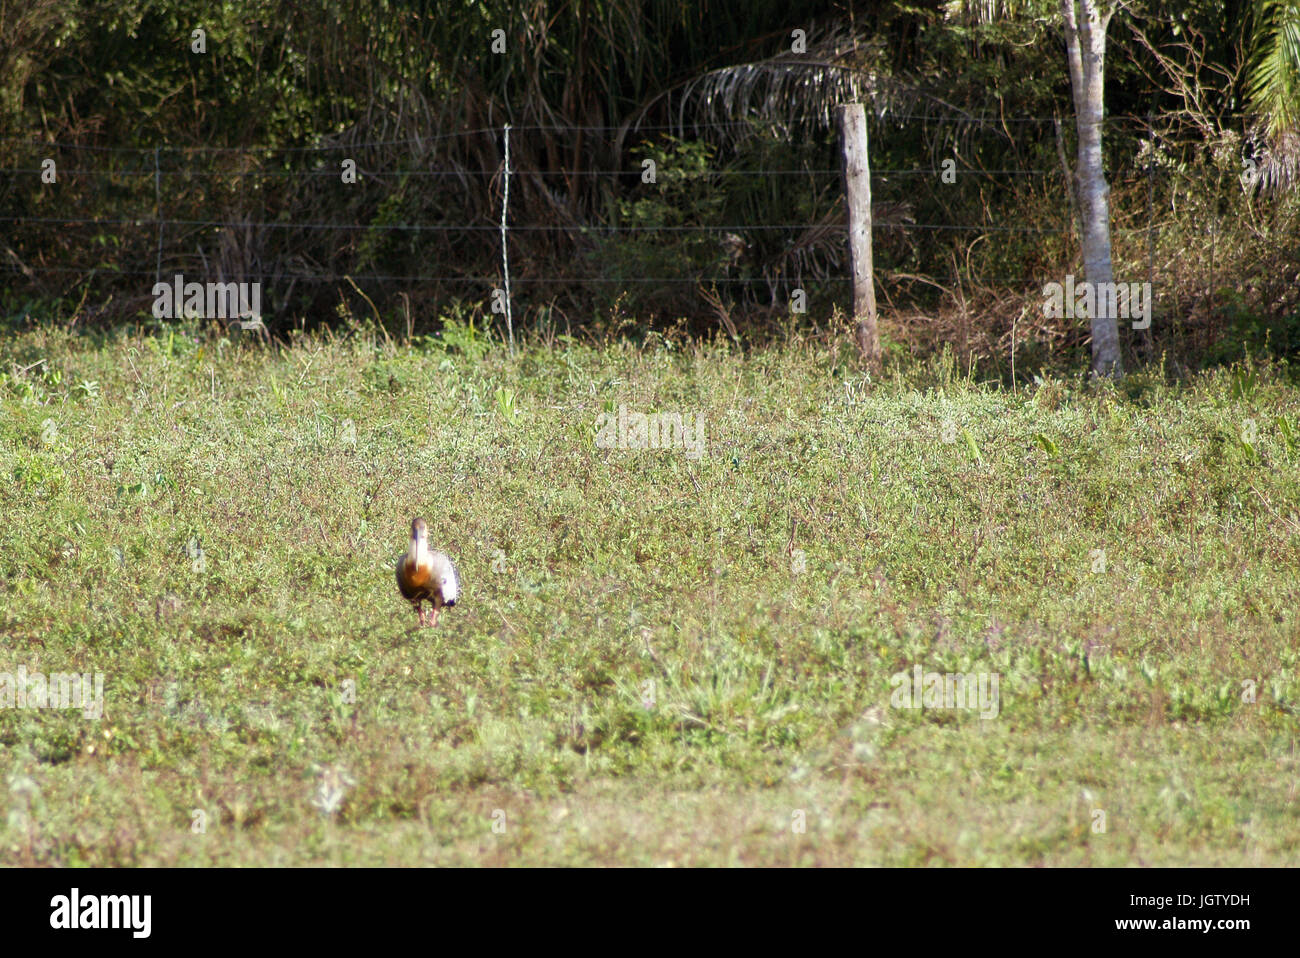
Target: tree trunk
x=1085, y=45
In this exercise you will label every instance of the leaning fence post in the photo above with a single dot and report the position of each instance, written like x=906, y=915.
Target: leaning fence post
x=505, y=259
x=857, y=195
x=157, y=212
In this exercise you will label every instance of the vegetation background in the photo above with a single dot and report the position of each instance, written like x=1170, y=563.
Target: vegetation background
x=239, y=151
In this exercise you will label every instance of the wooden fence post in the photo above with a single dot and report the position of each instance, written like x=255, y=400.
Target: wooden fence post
x=857, y=195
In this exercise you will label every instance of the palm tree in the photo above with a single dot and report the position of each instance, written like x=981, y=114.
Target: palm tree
x=1273, y=88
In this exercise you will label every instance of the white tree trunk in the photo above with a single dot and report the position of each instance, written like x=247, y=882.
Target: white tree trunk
x=1085, y=45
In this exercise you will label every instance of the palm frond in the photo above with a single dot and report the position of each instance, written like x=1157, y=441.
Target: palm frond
x=1273, y=90
x=794, y=90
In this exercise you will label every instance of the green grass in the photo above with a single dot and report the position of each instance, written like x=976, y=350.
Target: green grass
x=657, y=659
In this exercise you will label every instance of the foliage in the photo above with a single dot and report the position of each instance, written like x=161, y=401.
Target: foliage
x=137, y=113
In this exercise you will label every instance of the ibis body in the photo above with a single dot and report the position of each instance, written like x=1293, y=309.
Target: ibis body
x=424, y=575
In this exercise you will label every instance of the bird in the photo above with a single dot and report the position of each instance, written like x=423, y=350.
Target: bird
x=426, y=576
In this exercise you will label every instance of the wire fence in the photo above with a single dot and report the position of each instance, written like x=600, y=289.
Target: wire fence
x=180, y=179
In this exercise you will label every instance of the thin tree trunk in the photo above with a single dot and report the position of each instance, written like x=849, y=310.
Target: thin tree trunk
x=1085, y=45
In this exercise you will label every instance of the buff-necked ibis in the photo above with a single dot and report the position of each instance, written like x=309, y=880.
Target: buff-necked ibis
x=424, y=575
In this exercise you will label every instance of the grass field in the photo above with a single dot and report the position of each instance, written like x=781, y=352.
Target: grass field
x=658, y=658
